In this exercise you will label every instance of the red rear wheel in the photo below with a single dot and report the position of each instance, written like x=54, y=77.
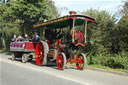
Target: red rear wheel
x=81, y=61
x=61, y=61
x=39, y=53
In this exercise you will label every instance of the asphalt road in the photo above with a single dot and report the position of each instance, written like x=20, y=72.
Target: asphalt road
x=18, y=73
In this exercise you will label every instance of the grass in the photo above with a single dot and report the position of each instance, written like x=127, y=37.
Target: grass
x=108, y=68
x=6, y=51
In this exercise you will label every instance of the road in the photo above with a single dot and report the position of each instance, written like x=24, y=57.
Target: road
x=18, y=73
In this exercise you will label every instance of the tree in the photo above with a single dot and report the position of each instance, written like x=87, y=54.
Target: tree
x=122, y=28
x=22, y=14
x=7, y=27
x=99, y=32
x=30, y=12
x=2, y=1
x=124, y=9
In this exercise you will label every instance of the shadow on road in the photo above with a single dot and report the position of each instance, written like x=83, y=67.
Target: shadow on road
x=49, y=64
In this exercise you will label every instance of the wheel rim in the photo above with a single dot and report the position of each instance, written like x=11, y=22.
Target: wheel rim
x=80, y=62
x=60, y=61
x=13, y=57
x=39, y=53
x=23, y=59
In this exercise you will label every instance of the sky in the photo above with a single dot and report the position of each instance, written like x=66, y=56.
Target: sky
x=111, y=6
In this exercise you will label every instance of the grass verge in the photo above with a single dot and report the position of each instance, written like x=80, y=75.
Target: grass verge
x=108, y=68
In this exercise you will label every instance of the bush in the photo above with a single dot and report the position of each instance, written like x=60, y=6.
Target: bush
x=113, y=61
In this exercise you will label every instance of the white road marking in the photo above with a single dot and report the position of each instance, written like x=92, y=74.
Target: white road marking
x=40, y=70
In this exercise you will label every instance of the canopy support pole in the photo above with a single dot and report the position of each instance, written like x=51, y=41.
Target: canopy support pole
x=85, y=36
x=73, y=30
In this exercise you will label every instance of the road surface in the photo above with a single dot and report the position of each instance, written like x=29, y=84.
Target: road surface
x=18, y=73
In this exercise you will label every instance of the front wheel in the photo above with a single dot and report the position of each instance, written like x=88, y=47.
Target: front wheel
x=81, y=61
x=61, y=61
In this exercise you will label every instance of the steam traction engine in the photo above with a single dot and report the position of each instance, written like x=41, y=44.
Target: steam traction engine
x=63, y=37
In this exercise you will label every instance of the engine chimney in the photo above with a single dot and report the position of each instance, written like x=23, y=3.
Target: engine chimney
x=72, y=12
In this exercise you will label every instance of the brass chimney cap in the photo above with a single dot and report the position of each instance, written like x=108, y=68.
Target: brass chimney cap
x=72, y=12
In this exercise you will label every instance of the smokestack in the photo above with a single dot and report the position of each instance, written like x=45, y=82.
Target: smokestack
x=72, y=12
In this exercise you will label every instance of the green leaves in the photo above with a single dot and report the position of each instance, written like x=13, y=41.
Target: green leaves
x=18, y=16
x=124, y=9
x=122, y=29
x=109, y=39
x=100, y=31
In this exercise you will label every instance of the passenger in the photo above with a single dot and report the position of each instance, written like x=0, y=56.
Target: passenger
x=36, y=38
x=26, y=37
x=20, y=38
x=14, y=38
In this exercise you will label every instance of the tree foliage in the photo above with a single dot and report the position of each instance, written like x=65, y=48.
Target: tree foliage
x=122, y=28
x=99, y=32
x=22, y=14
x=29, y=12
x=108, y=39
x=124, y=9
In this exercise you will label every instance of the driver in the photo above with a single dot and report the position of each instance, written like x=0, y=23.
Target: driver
x=75, y=34
x=78, y=36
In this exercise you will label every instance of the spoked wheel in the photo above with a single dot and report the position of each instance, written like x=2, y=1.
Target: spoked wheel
x=39, y=53
x=14, y=56
x=24, y=58
x=81, y=61
x=61, y=61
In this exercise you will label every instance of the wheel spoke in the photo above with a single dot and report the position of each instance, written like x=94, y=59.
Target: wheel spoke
x=80, y=62
x=60, y=62
x=39, y=52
